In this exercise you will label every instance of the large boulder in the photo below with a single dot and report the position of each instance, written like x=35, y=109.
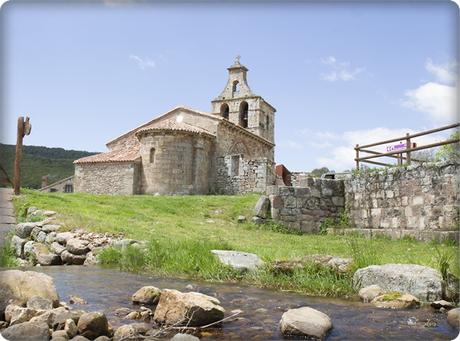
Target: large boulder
x=27, y=331
x=77, y=246
x=184, y=337
x=54, y=318
x=306, y=322
x=262, y=207
x=423, y=282
x=39, y=303
x=146, y=295
x=240, y=261
x=20, y=286
x=192, y=309
x=453, y=318
x=93, y=324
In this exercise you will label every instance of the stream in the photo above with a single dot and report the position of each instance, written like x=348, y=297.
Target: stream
x=108, y=289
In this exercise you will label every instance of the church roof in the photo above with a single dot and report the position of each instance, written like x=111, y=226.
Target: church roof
x=174, y=125
x=184, y=108
x=120, y=155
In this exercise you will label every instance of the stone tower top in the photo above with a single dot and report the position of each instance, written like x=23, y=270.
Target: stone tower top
x=238, y=104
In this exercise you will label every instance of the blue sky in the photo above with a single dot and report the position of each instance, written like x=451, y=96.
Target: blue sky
x=338, y=73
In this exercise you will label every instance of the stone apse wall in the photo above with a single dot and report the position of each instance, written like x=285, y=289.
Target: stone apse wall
x=417, y=201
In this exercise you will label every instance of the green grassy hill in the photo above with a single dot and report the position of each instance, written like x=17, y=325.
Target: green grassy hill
x=38, y=161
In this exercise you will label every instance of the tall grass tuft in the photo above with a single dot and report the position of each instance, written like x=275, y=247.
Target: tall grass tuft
x=7, y=257
x=363, y=252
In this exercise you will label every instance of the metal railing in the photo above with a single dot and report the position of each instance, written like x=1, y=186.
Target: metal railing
x=402, y=149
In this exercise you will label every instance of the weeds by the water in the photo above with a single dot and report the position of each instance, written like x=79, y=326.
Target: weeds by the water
x=363, y=252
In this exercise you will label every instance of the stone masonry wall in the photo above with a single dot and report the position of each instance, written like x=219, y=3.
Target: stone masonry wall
x=420, y=201
x=106, y=178
x=305, y=208
x=253, y=176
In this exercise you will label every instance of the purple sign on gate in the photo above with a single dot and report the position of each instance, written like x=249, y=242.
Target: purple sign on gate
x=397, y=147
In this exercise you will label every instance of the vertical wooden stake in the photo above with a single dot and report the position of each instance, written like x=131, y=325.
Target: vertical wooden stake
x=357, y=156
x=408, y=146
x=24, y=128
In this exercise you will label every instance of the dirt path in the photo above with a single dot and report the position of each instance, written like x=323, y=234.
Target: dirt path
x=7, y=218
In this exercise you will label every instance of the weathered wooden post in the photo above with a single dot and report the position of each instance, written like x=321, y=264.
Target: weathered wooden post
x=408, y=146
x=24, y=128
x=357, y=156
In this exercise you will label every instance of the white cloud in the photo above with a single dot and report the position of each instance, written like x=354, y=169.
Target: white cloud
x=444, y=73
x=143, y=63
x=339, y=71
x=290, y=144
x=437, y=99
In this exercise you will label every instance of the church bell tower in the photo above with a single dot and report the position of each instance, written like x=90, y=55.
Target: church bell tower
x=238, y=104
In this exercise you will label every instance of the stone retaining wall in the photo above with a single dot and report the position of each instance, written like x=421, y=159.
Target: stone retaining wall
x=419, y=201
x=305, y=208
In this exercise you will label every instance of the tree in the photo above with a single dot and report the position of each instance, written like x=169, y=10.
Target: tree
x=317, y=172
x=449, y=152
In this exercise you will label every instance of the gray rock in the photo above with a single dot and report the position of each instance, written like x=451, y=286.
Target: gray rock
x=70, y=328
x=41, y=237
x=453, y=318
x=442, y=304
x=258, y=220
x=24, y=230
x=191, y=309
x=50, y=228
x=40, y=303
x=15, y=314
x=31, y=210
x=44, y=256
x=122, y=311
x=77, y=246
x=423, y=282
x=305, y=321
x=92, y=325
x=29, y=249
x=17, y=244
x=35, y=231
x=241, y=219
x=184, y=337
x=63, y=237
x=50, y=238
x=238, y=260
x=20, y=286
x=57, y=248
x=262, y=208
x=80, y=338
x=71, y=259
x=123, y=243
x=367, y=294
x=27, y=331
x=91, y=259
x=59, y=335
x=49, y=213
x=146, y=295
x=405, y=301
x=127, y=332
x=102, y=338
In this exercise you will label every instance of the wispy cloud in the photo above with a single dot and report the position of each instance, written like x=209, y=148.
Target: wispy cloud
x=339, y=70
x=436, y=99
x=143, y=63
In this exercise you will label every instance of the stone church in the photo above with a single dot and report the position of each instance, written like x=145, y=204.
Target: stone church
x=186, y=151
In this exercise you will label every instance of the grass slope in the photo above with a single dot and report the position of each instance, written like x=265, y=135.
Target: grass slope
x=181, y=231
x=39, y=161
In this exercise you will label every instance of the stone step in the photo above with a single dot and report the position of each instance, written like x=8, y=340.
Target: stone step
x=6, y=212
x=7, y=220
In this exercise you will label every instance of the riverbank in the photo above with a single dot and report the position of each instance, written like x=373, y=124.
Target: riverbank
x=181, y=231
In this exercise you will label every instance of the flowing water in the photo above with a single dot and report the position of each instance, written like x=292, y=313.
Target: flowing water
x=108, y=289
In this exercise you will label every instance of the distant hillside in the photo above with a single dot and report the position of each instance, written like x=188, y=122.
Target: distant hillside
x=37, y=161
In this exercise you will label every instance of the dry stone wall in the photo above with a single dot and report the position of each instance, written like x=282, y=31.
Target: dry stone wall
x=419, y=201
x=305, y=208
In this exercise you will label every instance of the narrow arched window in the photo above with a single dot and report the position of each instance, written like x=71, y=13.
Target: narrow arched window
x=236, y=87
x=244, y=114
x=152, y=155
x=224, y=111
